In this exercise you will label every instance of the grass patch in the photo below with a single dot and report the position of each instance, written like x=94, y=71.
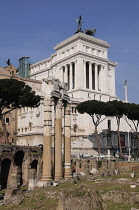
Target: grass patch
x=119, y=206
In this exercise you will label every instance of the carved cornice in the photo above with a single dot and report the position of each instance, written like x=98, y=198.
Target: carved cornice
x=84, y=37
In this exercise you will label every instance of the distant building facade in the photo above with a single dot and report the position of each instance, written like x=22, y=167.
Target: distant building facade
x=81, y=62
x=81, y=67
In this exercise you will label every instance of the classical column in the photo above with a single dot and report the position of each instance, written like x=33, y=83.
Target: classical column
x=66, y=74
x=61, y=74
x=102, y=78
x=71, y=79
x=58, y=140
x=84, y=75
x=90, y=75
x=75, y=75
x=96, y=76
x=67, y=142
x=105, y=79
x=47, y=141
x=99, y=77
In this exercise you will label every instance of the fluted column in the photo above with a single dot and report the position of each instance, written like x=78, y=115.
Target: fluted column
x=96, y=76
x=67, y=142
x=58, y=140
x=90, y=76
x=47, y=141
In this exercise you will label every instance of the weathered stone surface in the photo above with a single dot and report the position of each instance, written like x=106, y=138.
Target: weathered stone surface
x=60, y=205
x=138, y=180
x=13, y=196
x=121, y=197
x=94, y=171
x=90, y=200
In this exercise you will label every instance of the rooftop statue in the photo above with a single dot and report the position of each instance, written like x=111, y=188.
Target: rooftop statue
x=8, y=62
x=91, y=32
x=79, y=21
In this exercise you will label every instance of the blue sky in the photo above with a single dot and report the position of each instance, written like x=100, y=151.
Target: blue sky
x=33, y=27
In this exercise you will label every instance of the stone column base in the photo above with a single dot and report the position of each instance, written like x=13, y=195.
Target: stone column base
x=46, y=179
x=67, y=172
x=43, y=184
x=58, y=177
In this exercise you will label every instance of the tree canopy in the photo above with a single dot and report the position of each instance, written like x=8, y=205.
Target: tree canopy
x=15, y=94
x=116, y=109
x=96, y=109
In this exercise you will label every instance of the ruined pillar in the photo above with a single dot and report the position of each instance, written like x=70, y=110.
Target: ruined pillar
x=67, y=142
x=58, y=140
x=47, y=141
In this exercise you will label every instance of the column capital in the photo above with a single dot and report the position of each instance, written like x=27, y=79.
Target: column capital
x=48, y=101
x=96, y=64
x=68, y=109
x=59, y=104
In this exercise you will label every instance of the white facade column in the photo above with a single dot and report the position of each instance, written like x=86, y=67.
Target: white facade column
x=75, y=75
x=102, y=78
x=66, y=74
x=58, y=140
x=71, y=79
x=96, y=77
x=67, y=142
x=47, y=141
x=99, y=77
x=90, y=75
x=105, y=79
x=84, y=73
x=61, y=74
x=113, y=81
x=79, y=72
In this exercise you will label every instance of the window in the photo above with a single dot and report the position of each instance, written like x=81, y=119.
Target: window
x=72, y=109
x=109, y=125
x=7, y=120
x=75, y=128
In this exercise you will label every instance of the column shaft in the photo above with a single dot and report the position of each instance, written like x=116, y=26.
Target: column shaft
x=84, y=75
x=66, y=74
x=102, y=78
x=58, y=141
x=71, y=76
x=90, y=76
x=47, y=141
x=67, y=143
x=96, y=77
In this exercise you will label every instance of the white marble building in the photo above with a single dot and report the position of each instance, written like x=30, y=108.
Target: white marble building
x=81, y=62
